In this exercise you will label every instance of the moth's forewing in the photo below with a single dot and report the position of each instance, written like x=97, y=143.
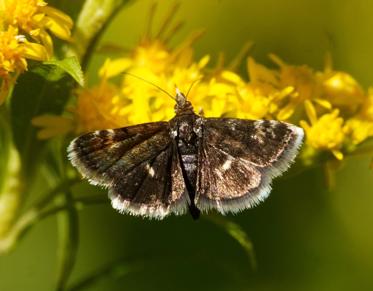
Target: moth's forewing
x=137, y=164
x=238, y=159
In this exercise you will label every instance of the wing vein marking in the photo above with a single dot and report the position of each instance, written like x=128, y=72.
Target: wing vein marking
x=114, y=144
x=116, y=160
x=143, y=180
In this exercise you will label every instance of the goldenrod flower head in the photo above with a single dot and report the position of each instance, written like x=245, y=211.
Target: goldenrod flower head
x=326, y=132
x=99, y=107
x=37, y=19
x=221, y=89
x=359, y=129
x=151, y=54
x=342, y=89
x=303, y=82
x=360, y=125
x=302, y=78
x=154, y=62
x=11, y=53
x=14, y=49
x=261, y=75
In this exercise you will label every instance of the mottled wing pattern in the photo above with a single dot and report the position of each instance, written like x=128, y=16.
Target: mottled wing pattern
x=139, y=164
x=238, y=159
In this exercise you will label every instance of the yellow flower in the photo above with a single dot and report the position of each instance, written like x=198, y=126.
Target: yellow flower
x=217, y=96
x=261, y=75
x=14, y=50
x=153, y=62
x=37, y=19
x=304, y=83
x=326, y=132
x=360, y=126
x=341, y=89
x=99, y=107
x=151, y=54
x=359, y=129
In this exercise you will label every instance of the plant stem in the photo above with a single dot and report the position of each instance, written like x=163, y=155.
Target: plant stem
x=33, y=215
x=236, y=232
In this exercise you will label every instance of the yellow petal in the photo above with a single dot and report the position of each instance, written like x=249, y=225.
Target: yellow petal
x=113, y=68
x=52, y=125
x=338, y=154
x=304, y=124
x=35, y=51
x=35, y=32
x=59, y=29
x=286, y=112
x=58, y=15
x=277, y=60
x=231, y=77
x=47, y=41
x=324, y=103
x=41, y=3
x=38, y=17
x=260, y=73
x=43, y=120
x=310, y=111
x=203, y=62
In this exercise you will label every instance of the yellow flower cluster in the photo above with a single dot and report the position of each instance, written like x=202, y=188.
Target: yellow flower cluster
x=24, y=34
x=334, y=110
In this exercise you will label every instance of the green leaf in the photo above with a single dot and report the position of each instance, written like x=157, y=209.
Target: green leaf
x=68, y=226
x=71, y=66
x=46, y=89
x=236, y=232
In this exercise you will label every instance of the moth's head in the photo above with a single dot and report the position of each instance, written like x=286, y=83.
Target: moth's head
x=182, y=104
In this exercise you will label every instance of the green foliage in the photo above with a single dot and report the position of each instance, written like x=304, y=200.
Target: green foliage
x=46, y=89
x=68, y=226
x=70, y=66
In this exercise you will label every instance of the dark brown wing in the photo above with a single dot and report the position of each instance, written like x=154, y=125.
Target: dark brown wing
x=138, y=164
x=238, y=159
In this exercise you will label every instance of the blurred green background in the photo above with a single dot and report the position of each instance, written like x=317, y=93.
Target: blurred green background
x=305, y=237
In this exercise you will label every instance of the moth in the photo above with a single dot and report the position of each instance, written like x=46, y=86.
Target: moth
x=188, y=163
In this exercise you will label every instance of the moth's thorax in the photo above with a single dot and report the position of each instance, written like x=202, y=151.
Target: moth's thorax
x=186, y=127
x=186, y=130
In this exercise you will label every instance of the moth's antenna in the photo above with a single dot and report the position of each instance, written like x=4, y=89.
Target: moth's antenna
x=150, y=83
x=191, y=86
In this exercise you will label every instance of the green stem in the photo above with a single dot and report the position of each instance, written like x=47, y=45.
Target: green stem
x=116, y=269
x=93, y=19
x=49, y=196
x=68, y=240
x=32, y=216
x=236, y=232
